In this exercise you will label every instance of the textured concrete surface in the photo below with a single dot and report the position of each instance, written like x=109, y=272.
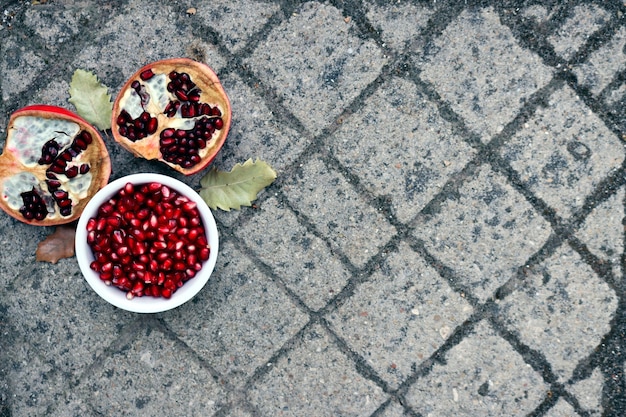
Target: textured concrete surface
x=445, y=236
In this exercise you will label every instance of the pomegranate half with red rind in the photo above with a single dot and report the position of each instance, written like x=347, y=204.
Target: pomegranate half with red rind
x=53, y=162
x=175, y=111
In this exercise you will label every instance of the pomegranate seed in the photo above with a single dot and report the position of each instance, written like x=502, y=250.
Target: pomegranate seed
x=146, y=75
x=181, y=95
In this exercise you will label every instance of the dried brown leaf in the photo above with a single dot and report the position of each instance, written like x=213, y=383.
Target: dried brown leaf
x=58, y=245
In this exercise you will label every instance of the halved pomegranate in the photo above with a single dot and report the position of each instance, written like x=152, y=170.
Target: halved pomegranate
x=175, y=111
x=53, y=162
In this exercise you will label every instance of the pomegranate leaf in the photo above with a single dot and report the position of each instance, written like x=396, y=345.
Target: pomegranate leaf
x=91, y=99
x=58, y=245
x=239, y=187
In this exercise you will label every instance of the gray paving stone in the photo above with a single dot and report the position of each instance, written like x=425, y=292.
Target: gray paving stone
x=400, y=316
x=482, y=376
x=153, y=376
x=600, y=68
x=561, y=409
x=485, y=233
x=35, y=385
x=62, y=318
x=226, y=19
x=327, y=198
x=589, y=393
x=603, y=232
x=563, y=152
x=479, y=69
x=397, y=23
x=238, y=412
x=316, y=53
x=585, y=20
x=57, y=24
x=399, y=146
x=159, y=36
x=14, y=266
x=56, y=93
x=394, y=410
x=315, y=378
x=18, y=62
x=538, y=12
x=255, y=132
x=302, y=260
x=239, y=320
x=562, y=309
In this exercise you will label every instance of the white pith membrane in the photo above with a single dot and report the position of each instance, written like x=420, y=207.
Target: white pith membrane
x=25, y=142
x=158, y=99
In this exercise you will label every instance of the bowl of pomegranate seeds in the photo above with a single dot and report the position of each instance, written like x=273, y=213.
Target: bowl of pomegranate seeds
x=146, y=243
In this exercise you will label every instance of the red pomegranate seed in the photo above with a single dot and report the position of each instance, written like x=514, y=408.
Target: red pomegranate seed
x=146, y=75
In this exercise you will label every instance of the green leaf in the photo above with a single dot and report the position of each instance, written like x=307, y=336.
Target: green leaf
x=91, y=99
x=239, y=187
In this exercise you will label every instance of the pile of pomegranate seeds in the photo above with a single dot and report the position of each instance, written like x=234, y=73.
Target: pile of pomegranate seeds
x=147, y=240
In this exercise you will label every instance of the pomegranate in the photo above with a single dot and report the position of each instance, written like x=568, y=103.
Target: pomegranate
x=175, y=111
x=53, y=162
x=148, y=239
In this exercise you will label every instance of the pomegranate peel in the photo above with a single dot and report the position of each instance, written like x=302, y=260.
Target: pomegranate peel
x=175, y=111
x=53, y=162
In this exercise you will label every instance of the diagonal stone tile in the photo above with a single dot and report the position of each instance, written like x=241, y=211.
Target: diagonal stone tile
x=315, y=379
x=150, y=34
x=482, y=376
x=58, y=25
x=237, y=412
x=563, y=152
x=61, y=317
x=302, y=260
x=13, y=267
x=236, y=23
x=485, y=233
x=317, y=53
x=255, y=132
x=400, y=316
x=394, y=410
x=35, y=385
x=399, y=146
x=153, y=376
x=601, y=66
x=324, y=195
x=538, y=13
x=239, y=320
x=561, y=409
x=18, y=62
x=479, y=69
x=585, y=20
x=562, y=310
x=397, y=23
x=589, y=393
x=603, y=232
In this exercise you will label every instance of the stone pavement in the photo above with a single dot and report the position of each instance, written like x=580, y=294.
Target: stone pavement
x=445, y=236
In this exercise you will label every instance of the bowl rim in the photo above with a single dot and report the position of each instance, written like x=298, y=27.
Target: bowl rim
x=145, y=304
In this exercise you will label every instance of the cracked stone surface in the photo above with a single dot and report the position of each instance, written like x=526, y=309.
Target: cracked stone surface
x=445, y=235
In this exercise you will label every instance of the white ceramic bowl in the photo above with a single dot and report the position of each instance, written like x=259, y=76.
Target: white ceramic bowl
x=145, y=304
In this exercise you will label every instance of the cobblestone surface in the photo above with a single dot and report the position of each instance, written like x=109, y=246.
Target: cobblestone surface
x=445, y=235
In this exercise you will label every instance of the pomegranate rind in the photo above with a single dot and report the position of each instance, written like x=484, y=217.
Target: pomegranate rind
x=212, y=93
x=96, y=154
